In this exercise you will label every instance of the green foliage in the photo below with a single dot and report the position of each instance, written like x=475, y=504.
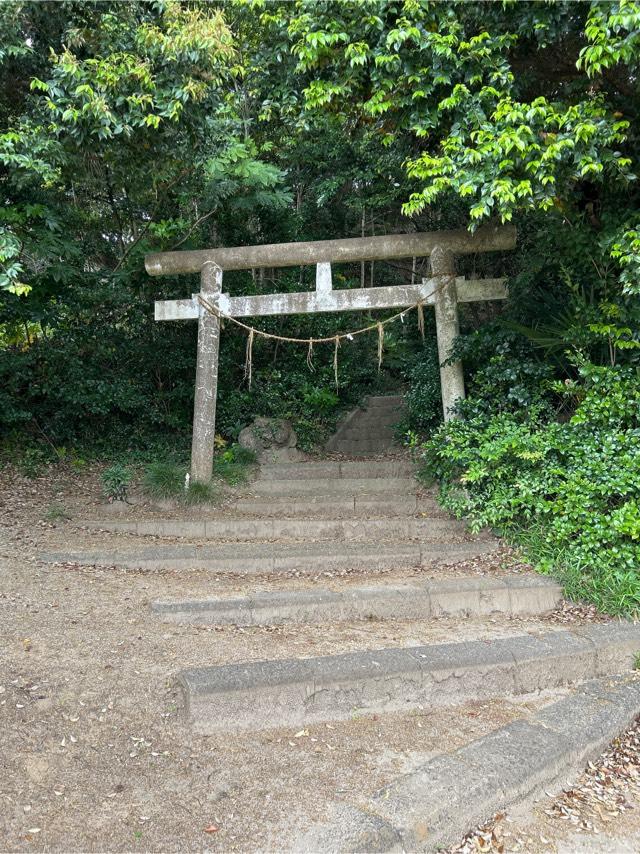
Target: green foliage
x=163, y=480
x=627, y=252
x=323, y=400
x=31, y=459
x=569, y=492
x=433, y=70
x=168, y=480
x=115, y=481
x=423, y=399
x=56, y=513
x=234, y=465
x=200, y=493
x=612, y=32
x=504, y=374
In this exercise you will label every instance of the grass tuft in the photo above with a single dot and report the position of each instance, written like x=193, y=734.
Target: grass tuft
x=163, y=480
x=200, y=493
x=56, y=513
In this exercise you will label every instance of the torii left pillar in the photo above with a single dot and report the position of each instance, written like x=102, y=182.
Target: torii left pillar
x=443, y=269
x=204, y=404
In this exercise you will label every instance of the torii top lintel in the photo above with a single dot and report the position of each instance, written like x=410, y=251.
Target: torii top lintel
x=488, y=238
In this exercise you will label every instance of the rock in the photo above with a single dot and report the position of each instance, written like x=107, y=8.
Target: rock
x=271, y=439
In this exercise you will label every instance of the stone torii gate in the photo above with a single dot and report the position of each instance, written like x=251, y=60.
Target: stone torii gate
x=443, y=290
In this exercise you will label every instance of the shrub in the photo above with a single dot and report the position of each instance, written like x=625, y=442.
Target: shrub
x=568, y=492
x=115, y=482
x=423, y=399
x=234, y=465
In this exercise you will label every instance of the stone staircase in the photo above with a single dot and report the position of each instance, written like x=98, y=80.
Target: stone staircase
x=368, y=430
x=344, y=542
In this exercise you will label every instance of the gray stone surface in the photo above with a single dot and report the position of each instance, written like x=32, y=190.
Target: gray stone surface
x=272, y=440
x=438, y=804
x=328, y=506
x=336, y=486
x=367, y=430
x=485, y=239
x=333, y=687
x=458, y=596
x=240, y=528
x=447, y=328
x=260, y=558
x=206, y=388
x=313, y=470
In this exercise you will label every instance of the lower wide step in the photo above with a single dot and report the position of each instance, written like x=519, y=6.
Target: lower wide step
x=233, y=528
x=476, y=596
x=294, y=692
x=260, y=558
x=434, y=806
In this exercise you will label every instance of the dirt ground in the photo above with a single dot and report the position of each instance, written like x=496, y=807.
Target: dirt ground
x=94, y=754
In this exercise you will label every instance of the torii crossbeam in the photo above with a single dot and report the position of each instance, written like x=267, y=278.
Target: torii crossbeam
x=443, y=290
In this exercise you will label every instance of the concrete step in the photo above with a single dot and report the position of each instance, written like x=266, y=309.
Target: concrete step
x=241, y=529
x=328, y=506
x=344, y=485
x=380, y=436
x=361, y=447
x=328, y=469
x=384, y=401
x=296, y=692
x=433, y=807
x=261, y=558
x=373, y=419
x=475, y=596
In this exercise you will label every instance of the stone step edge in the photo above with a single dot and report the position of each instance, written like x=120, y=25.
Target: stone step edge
x=295, y=692
x=429, y=809
x=355, y=506
x=270, y=528
x=380, y=556
x=338, y=469
x=468, y=596
x=355, y=485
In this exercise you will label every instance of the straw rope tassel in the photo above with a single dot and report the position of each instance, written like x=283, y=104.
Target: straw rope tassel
x=335, y=359
x=310, y=355
x=380, y=343
x=248, y=359
x=420, y=319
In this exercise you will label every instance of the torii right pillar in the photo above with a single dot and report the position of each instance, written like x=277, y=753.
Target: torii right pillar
x=443, y=268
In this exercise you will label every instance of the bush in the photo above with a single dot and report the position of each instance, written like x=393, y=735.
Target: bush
x=568, y=493
x=115, y=482
x=423, y=399
x=233, y=465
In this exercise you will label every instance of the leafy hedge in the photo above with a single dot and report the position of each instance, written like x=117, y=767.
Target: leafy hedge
x=569, y=493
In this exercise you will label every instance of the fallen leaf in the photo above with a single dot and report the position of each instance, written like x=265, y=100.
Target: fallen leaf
x=211, y=828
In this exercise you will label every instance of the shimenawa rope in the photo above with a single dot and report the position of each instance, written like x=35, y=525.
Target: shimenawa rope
x=310, y=342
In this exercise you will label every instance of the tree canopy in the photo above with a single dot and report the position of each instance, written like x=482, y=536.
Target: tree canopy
x=128, y=128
